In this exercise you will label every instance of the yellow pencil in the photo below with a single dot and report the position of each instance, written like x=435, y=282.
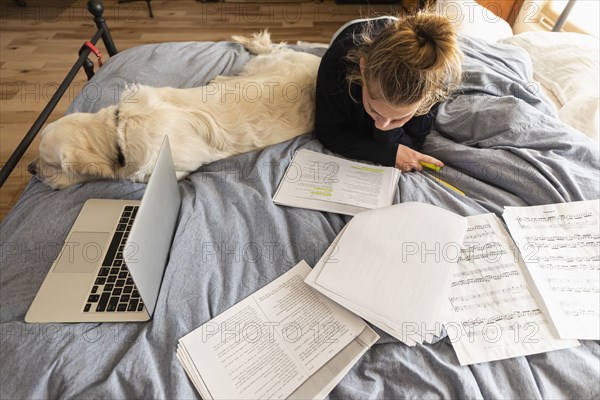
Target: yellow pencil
x=447, y=184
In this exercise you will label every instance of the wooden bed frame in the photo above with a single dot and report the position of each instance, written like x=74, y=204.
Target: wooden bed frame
x=508, y=10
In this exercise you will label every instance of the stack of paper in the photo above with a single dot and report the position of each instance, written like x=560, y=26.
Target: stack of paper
x=284, y=341
x=393, y=267
x=326, y=183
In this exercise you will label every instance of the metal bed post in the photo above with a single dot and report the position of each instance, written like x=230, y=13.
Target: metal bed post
x=96, y=8
x=562, y=18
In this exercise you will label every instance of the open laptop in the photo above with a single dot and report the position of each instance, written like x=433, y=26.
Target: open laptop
x=112, y=263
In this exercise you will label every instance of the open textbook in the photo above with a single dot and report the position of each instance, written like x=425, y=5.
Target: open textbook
x=284, y=341
x=326, y=183
x=397, y=269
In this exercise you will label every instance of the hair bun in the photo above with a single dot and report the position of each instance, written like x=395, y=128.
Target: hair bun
x=429, y=39
x=415, y=58
x=423, y=37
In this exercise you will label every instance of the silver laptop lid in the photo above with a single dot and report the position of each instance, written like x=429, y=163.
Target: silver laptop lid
x=147, y=248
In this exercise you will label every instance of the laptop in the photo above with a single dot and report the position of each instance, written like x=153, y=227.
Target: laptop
x=111, y=265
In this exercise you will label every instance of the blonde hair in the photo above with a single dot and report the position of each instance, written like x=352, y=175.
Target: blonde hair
x=413, y=59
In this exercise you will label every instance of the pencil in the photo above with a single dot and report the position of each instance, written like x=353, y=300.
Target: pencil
x=447, y=184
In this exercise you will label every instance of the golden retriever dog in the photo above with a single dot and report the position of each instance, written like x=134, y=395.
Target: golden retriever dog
x=269, y=102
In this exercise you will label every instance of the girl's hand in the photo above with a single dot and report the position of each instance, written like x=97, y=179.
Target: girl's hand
x=408, y=159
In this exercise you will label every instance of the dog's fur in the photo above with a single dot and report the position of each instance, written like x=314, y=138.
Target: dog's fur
x=269, y=102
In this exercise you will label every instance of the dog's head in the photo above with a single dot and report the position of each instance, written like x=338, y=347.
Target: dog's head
x=78, y=147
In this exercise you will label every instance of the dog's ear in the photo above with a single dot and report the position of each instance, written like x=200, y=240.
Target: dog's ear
x=87, y=165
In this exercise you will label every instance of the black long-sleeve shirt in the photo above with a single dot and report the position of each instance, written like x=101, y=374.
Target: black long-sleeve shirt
x=342, y=123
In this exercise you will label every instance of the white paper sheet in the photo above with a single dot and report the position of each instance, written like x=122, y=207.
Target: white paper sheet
x=323, y=182
x=492, y=315
x=560, y=244
x=404, y=332
x=393, y=267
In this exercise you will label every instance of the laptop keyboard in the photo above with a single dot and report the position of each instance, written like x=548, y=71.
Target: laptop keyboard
x=114, y=290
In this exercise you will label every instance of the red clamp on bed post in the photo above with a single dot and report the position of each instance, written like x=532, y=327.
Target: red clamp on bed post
x=88, y=66
x=94, y=50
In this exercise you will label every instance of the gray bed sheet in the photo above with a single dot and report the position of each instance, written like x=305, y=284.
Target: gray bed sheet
x=502, y=144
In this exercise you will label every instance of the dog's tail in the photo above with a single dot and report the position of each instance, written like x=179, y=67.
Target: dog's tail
x=259, y=43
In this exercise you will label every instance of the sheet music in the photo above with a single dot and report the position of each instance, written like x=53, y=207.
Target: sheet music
x=320, y=181
x=492, y=314
x=560, y=244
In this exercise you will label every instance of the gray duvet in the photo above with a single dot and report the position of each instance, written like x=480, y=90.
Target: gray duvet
x=502, y=144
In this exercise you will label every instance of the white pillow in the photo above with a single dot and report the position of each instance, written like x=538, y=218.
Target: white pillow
x=582, y=113
x=471, y=18
x=564, y=62
x=567, y=64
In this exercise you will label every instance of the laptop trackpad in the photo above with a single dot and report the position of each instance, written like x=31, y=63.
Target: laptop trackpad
x=82, y=252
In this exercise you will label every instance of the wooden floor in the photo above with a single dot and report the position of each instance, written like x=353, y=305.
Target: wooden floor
x=39, y=44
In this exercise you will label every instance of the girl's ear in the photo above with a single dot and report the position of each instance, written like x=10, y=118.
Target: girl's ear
x=361, y=64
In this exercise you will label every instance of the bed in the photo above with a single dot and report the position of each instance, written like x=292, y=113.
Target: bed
x=502, y=141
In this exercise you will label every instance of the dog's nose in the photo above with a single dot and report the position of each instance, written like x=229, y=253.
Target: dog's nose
x=32, y=167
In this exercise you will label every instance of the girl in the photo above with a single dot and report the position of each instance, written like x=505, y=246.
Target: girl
x=378, y=84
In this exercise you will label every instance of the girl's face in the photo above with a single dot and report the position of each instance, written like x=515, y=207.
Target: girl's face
x=385, y=115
